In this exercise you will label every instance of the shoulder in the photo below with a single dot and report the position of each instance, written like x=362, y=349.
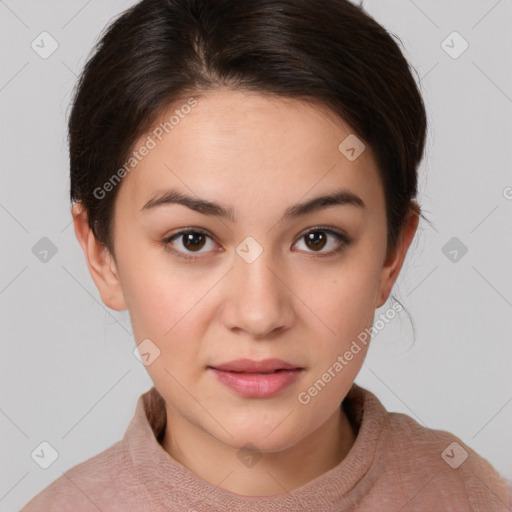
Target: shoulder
x=436, y=465
x=92, y=485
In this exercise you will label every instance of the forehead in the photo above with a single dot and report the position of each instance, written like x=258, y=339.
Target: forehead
x=243, y=147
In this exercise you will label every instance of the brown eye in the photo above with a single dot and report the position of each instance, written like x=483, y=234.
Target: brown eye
x=193, y=241
x=187, y=242
x=315, y=240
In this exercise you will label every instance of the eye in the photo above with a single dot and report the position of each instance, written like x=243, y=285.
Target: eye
x=318, y=238
x=188, y=242
x=192, y=239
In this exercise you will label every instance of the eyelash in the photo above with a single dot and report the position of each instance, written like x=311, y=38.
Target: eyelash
x=342, y=237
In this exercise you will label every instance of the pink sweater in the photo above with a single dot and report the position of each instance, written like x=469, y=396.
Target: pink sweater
x=394, y=465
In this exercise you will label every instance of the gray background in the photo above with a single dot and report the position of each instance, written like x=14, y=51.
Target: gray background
x=68, y=374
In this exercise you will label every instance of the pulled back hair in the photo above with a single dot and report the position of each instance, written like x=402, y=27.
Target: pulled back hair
x=159, y=52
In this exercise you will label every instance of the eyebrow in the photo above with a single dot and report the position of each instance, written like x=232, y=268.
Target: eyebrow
x=337, y=198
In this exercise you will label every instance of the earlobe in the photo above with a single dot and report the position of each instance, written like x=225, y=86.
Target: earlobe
x=394, y=260
x=101, y=264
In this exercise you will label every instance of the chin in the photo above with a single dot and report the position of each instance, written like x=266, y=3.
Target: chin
x=244, y=439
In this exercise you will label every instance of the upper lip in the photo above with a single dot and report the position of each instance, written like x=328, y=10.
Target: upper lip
x=249, y=365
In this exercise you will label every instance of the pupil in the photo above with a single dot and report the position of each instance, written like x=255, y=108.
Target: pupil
x=191, y=240
x=317, y=238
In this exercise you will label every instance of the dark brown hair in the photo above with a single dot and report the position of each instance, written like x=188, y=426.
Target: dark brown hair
x=326, y=51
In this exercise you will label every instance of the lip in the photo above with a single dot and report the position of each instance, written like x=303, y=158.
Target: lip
x=249, y=365
x=256, y=379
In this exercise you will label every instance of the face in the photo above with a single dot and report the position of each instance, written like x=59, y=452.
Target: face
x=260, y=281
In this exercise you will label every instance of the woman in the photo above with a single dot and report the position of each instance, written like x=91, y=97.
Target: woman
x=243, y=179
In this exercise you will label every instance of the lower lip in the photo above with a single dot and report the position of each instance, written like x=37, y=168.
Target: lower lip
x=257, y=385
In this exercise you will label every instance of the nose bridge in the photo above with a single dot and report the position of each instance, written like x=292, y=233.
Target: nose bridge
x=255, y=267
x=259, y=302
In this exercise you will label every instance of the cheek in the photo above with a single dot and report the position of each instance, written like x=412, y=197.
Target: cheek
x=156, y=298
x=344, y=304
x=166, y=307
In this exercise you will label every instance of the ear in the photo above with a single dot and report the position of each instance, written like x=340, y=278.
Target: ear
x=394, y=260
x=100, y=261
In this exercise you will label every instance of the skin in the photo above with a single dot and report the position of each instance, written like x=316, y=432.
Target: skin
x=257, y=155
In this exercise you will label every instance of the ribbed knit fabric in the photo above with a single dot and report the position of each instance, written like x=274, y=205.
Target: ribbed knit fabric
x=395, y=465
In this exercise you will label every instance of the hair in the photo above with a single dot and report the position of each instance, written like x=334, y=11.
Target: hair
x=328, y=52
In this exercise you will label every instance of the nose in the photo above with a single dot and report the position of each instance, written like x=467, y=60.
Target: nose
x=258, y=300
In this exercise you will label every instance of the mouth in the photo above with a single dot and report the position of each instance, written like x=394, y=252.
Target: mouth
x=256, y=373
x=256, y=379
x=265, y=366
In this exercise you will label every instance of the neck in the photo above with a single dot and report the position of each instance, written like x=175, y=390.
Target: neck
x=274, y=473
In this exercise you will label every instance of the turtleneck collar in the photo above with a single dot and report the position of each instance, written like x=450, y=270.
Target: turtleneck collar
x=173, y=485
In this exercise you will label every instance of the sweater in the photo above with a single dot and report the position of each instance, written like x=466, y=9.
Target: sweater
x=395, y=464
